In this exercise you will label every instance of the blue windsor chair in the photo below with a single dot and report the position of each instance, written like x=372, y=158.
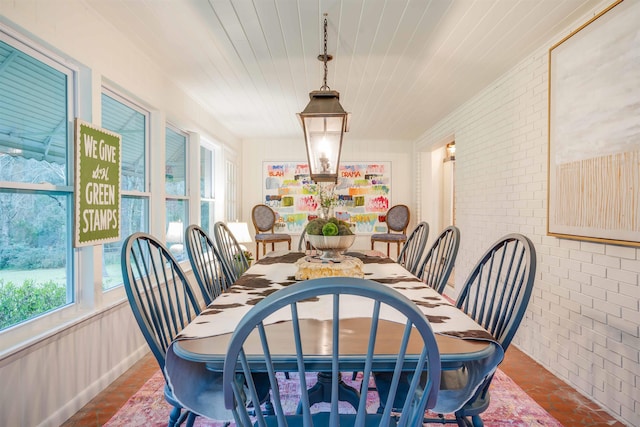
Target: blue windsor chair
x=162, y=302
x=303, y=242
x=440, y=259
x=413, y=249
x=495, y=295
x=234, y=262
x=206, y=263
x=424, y=368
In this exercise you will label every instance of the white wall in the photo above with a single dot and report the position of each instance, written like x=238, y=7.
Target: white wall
x=255, y=152
x=45, y=383
x=583, y=320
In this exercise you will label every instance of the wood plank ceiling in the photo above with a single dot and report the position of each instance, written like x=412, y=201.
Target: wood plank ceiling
x=399, y=65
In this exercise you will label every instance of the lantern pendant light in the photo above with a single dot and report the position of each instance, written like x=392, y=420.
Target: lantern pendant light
x=324, y=123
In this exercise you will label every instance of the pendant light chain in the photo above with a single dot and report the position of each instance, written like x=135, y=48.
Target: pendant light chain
x=325, y=57
x=324, y=119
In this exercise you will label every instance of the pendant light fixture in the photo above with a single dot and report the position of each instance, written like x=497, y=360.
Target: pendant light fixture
x=324, y=123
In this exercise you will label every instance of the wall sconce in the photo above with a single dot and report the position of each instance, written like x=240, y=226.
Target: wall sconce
x=324, y=123
x=451, y=152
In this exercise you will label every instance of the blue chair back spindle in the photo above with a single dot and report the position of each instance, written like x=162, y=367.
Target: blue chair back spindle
x=497, y=291
x=412, y=251
x=206, y=263
x=232, y=255
x=440, y=259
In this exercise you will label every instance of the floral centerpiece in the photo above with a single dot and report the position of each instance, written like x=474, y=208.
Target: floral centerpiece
x=330, y=236
x=247, y=255
x=328, y=199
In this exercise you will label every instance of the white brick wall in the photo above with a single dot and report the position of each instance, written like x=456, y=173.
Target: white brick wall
x=583, y=320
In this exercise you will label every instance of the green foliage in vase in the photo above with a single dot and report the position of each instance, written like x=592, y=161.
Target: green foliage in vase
x=318, y=227
x=247, y=255
x=327, y=196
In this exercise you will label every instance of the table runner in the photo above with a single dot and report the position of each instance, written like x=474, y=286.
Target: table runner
x=200, y=390
x=276, y=272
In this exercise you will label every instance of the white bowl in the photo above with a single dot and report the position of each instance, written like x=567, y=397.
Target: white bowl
x=332, y=247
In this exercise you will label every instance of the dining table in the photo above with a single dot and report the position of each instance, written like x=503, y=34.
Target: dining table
x=195, y=359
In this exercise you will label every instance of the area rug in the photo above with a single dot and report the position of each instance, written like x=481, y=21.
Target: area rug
x=510, y=405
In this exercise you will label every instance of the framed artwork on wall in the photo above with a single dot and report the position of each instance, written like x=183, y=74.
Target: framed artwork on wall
x=363, y=190
x=594, y=137
x=98, y=160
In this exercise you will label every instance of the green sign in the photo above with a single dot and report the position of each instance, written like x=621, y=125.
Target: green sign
x=97, y=185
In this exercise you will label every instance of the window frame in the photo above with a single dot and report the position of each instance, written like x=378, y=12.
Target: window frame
x=24, y=334
x=116, y=293
x=231, y=190
x=183, y=199
x=84, y=271
x=211, y=198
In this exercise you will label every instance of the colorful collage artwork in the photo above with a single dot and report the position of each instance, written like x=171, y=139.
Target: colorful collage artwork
x=363, y=189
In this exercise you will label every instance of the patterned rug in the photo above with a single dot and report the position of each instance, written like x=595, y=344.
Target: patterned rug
x=510, y=405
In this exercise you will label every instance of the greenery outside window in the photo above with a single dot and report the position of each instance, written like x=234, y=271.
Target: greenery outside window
x=36, y=194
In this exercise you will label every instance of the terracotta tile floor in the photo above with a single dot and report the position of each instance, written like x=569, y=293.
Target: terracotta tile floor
x=565, y=404
x=560, y=400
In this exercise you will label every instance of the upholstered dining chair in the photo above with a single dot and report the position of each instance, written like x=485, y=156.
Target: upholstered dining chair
x=162, y=302
x=397, y=220
x=412, y=251
x=440, y=259
x=424, y=369
x=495, y=295
x=206, y=263
x=234, y=262
x=264, y=221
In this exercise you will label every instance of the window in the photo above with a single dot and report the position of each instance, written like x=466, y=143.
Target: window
x=176, y=190
x=131, y=122
x=231, y=191
x=207, y=194
x=36, y=195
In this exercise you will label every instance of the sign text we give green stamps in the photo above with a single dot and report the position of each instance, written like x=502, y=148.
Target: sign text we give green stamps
x=97, y=185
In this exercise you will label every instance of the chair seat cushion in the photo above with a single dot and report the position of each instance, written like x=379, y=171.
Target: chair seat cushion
x=390, y=237
x=322, y=419
x=452, y=382
x=272, y=237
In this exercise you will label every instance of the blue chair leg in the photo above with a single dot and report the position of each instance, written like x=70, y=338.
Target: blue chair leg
x=175, y=417
x=477, y=421
x=191, y=418
x=463, y=422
